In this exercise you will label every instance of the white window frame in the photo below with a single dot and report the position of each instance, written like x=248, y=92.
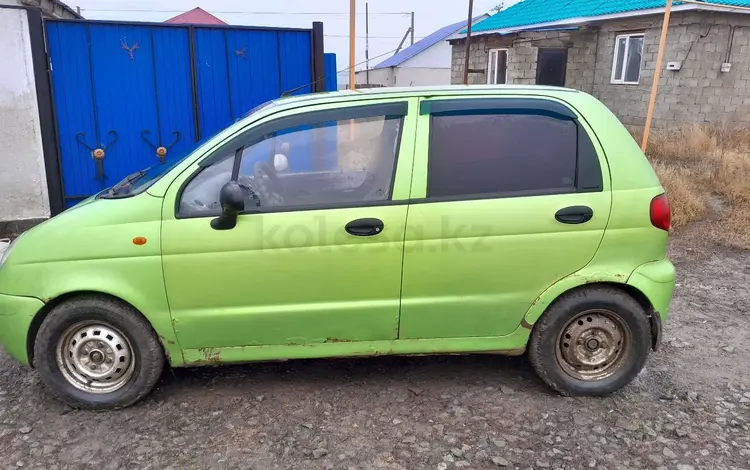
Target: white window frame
x=628, y=37
x=489, y=62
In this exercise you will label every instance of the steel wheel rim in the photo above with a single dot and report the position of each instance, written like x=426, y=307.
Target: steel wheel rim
x=95, y=357
x=593, y=345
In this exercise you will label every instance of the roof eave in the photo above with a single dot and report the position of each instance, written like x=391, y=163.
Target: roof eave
x=68, y=9
x=61, y=4
x=582, y=20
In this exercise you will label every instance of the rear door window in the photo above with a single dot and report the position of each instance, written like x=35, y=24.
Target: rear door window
x=509, y=151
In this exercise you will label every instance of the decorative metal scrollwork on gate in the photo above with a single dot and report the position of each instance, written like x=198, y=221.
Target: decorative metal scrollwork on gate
x=131, y=49
x=161, y=150
x=98, y=153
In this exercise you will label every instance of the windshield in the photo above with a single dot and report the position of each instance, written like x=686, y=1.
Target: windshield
x=140, y=180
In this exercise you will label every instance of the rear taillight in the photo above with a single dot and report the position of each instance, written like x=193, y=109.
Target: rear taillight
x=661, y=215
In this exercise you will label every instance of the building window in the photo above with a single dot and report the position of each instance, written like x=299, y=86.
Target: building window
x=626, y=68
x=497, y=66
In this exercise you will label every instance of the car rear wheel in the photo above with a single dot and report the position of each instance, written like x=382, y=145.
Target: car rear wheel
x=592, y=341
x=97, y=353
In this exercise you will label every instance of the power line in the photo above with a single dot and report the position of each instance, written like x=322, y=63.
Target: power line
x=363, y=37
x=371, y=58
x=146, y=10
x=293, y=90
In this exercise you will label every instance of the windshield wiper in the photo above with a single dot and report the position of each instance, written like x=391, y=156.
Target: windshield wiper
x=127, y=181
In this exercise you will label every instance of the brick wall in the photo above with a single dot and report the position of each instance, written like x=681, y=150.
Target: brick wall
x=699, y=92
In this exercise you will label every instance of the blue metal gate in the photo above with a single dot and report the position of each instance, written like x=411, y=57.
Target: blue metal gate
x=331, y=75
x=129, y=95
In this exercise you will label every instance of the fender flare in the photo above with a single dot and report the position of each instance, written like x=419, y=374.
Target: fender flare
x=566, y=284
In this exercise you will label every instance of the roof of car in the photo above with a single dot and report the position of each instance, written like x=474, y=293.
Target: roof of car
x=388, y=92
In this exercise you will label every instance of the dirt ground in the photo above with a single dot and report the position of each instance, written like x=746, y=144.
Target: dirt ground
x=689, y=409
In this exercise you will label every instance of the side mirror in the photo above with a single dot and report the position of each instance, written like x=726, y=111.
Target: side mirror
x=232, y=199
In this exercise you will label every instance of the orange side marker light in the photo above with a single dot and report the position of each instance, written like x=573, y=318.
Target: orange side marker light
x=139, y=241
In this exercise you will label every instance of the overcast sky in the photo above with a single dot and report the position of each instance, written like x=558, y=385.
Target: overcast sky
x=389, y=19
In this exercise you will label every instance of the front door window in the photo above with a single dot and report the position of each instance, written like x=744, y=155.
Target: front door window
x=325, y=164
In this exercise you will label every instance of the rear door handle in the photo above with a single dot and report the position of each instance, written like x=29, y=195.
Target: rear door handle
x=365, y=227
x=574, y=215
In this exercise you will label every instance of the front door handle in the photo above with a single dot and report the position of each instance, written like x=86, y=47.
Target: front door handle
x=364, y=227
x=574, y=215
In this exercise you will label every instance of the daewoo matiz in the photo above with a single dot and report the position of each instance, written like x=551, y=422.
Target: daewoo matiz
x=403, y=221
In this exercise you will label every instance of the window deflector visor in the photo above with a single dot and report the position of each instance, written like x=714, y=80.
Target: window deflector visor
x=493, y=105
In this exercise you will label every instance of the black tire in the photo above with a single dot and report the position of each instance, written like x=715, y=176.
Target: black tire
x=147, y=352
x=546, y=338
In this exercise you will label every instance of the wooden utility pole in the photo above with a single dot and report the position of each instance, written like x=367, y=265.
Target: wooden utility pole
x=412, y=28
x=352, y=42
x=657, y=75
x=468, y=43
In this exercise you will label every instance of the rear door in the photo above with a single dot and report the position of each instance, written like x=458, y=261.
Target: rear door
x=508, y=196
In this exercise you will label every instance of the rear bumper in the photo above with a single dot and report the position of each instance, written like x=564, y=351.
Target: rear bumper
x=656, y=281
x=16, y=315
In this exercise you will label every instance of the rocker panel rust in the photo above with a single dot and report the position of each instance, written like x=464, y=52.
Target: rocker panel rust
x=509, y=345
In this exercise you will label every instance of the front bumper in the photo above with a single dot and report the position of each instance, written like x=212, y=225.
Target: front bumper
x=16, y=315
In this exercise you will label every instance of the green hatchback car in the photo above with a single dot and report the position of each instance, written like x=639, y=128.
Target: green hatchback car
x=498, y=219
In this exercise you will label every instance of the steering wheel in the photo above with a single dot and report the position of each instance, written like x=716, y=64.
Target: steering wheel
x=251, y=194
x=268, y=184
x=196, y=206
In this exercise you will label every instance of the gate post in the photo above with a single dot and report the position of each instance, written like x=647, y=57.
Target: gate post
x=318, y=61
x=47, y=118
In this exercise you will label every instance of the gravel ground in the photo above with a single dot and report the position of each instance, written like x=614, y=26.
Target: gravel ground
x=689, y=409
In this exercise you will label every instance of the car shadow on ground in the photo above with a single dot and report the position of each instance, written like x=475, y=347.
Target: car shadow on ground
x=414, y=373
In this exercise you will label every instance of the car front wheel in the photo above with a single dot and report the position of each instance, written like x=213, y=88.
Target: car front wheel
x=97, y=353
x=592, y=341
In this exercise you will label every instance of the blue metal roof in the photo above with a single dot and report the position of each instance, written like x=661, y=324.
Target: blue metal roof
x=530, y=12
x=419, y=46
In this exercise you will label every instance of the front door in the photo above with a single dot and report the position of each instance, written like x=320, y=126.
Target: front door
x=491, y=223
x=317, y=255
x=551, y=67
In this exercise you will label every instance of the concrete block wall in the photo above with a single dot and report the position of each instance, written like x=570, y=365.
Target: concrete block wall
x=522, y=60
x=523, y=53
x=698, y=93
x=582, y=61
x=458, y=56
x=23, y=180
